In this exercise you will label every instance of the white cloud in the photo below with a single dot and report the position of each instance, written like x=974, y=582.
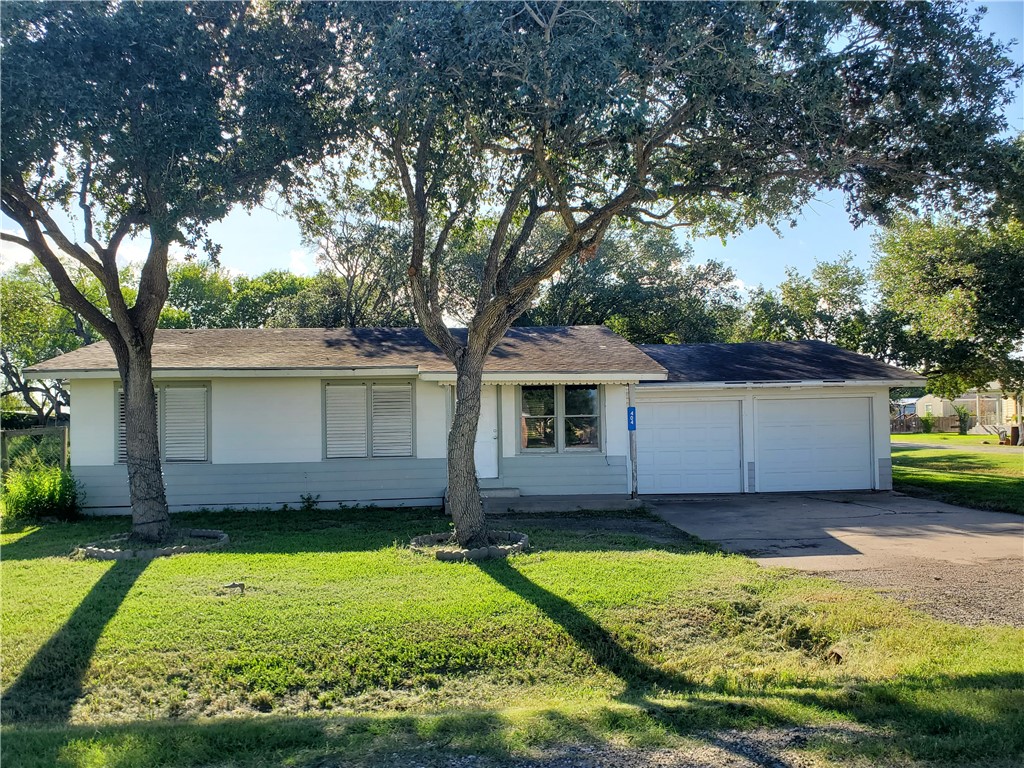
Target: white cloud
x=12, y=254
x=301, y=262
x=742, y=287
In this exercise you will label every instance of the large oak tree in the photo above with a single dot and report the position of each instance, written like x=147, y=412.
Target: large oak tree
x=711, y=115
x=130, y=119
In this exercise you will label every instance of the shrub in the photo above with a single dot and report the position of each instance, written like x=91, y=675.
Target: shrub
x=928, y=422
x=963, y=418
x=35, y=492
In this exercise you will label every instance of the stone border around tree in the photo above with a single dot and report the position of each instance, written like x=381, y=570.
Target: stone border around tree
x=97, y=550
x=504, y=543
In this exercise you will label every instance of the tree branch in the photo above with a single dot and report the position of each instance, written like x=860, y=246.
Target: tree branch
x=36, y=242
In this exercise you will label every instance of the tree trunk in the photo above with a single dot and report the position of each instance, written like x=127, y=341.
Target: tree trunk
x=151, y=518
x=464, y=502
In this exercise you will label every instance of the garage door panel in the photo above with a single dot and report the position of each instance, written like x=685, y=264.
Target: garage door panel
x=808, y=444
x=689, y=447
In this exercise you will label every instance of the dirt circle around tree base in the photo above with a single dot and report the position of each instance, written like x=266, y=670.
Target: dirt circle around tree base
x=445, y=547
x=186, y=540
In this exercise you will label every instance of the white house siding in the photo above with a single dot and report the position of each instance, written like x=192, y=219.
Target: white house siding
x=264, y=421
x=95, y=420
x=266, y=449
x=878, y=473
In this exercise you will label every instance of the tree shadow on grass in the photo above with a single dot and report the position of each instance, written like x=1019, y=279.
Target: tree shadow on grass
x=939, y=731
x=52, y=681
x=36, y=541
x=597, y=642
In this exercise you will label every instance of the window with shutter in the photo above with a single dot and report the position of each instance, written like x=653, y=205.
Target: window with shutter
x=391, y=419
x=182, y=419
x=345, y=416
x=185, y=421
x=122, y=445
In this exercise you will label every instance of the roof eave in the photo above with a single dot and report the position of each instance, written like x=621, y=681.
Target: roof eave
x=229, y=373
x=790, y=384
x=547, y=377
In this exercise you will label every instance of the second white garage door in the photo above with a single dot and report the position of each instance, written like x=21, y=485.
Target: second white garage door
x=806, y=444
x=689, y=447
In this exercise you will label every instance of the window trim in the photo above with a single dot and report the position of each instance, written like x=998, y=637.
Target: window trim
x=368, y=409
x=161, y=419
x=560, y=446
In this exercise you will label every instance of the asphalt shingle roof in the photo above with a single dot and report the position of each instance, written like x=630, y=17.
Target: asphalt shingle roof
x=582, y=348
x=767, y=361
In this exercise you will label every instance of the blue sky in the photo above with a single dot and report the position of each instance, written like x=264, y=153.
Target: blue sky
x=264, y=239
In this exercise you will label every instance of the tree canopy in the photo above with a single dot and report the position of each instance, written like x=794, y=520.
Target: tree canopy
x=827, y=305
x=203, y=295
x=953, y=289
x=641, y=284
x=715, y=116
x=37, y=326
x=143, y=119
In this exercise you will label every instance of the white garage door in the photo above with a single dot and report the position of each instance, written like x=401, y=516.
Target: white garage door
x=813, y=444
x=689, y=447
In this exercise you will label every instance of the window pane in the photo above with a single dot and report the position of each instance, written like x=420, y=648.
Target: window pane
x=583, y=432
x=538, y=401
x=538, y=432
x=581, y=401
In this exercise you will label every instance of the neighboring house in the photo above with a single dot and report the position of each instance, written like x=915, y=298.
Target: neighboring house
x=988, y=407
x=906, y=406
x=262, y=417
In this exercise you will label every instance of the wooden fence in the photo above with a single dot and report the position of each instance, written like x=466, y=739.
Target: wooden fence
x=903, y=425
x=36, y=434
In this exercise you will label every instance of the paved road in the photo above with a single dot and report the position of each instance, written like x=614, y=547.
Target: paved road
x=1008, y=450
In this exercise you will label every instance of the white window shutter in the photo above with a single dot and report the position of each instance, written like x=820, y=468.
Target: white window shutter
x=346, y=421
x=185, y=423
x=392, y=419
x=122, y=443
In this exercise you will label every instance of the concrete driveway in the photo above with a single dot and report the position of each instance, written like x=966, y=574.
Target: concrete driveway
x=958, y=564
x=845, y=531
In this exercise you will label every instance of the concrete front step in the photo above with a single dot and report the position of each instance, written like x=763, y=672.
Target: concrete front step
x=499, y=493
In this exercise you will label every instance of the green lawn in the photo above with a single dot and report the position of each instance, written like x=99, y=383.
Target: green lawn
x=949, y=438
x=347, y=646
x=981, y=480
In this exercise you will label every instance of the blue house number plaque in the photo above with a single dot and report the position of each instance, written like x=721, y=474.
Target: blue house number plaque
x=631, y=418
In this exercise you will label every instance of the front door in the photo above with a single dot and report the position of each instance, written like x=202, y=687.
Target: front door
x=486, y=447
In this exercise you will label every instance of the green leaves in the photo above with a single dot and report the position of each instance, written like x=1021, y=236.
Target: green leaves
x=957, y=286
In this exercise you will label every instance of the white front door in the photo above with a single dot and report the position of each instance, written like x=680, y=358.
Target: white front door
x=486, y=447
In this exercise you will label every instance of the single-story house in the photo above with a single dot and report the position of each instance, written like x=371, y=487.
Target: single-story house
x=262, y=417
x=988, y=407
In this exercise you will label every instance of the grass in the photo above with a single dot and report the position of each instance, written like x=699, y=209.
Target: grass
x=949, y=438
x=980, y=480
x=348, y=647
